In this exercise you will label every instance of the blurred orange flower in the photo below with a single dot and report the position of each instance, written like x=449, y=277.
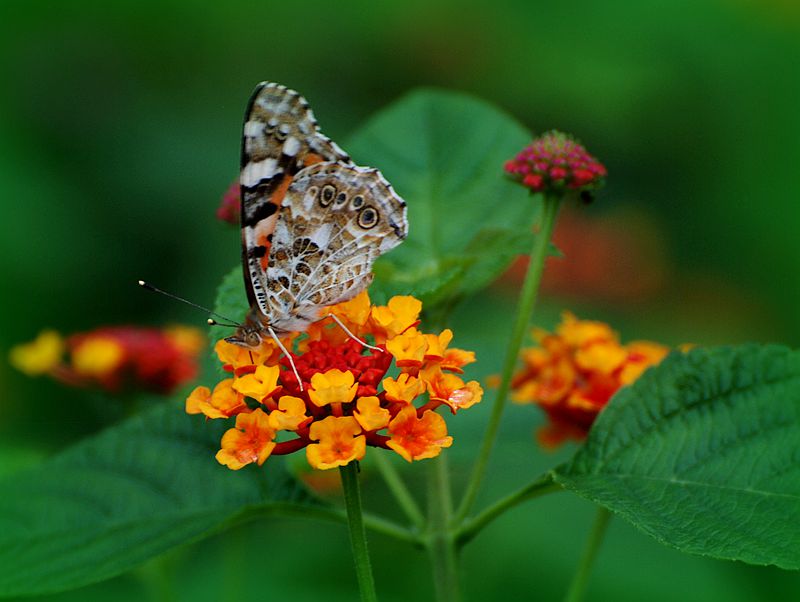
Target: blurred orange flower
x=573, y=373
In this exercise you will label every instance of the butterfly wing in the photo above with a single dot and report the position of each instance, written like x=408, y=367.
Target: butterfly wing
x=280, y=137
x=334, y=222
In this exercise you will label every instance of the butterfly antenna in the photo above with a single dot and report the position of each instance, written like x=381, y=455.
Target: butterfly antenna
x=211, y=321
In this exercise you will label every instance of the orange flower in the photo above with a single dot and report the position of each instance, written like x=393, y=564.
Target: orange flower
x=251, y=441
x=574, y=373
x=346, y=401
x=340, y=442
x=418, y=438
x=450, y=389
x=224, y=402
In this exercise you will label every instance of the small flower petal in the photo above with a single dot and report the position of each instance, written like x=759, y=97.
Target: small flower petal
x=333, y=386
x=399, y=314
x=405, y=388
x=251, y=441
x=340, y=442
x=408, y=348
x=418, y=438
x=224, y=402
x=260, y=384
x=290, y=415
x=370, y=415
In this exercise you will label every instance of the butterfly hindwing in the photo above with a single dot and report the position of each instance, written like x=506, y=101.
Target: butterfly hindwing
x=334, y=222
x=280, y=137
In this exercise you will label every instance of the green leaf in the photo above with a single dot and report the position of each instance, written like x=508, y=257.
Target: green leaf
x=444, y=153
x=703, y=453
x=126, y=495
x=231, y=302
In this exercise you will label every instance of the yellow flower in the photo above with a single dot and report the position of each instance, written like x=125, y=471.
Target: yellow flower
x=418, y=438
x=40, y=355
x=234, y=357
x=340, y=442
x=290, y=415
x=97, y=356
x=260, y=384
x=370, y=415
x=406, y=388
x=394, y=318
x=251, y=441
x=333, y=386
x=408, y=348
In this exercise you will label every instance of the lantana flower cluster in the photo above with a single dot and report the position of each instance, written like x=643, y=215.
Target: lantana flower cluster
x=346, y=402
x=115, y=358
x=556, y=162
x=574, y=372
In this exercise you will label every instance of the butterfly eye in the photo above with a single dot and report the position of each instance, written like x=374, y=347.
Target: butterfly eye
x=367, y=218
x=341, y=199
x=326, y=196
x=357, y=202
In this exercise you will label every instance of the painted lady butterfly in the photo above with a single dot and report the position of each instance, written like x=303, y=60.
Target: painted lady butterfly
x=312, y=221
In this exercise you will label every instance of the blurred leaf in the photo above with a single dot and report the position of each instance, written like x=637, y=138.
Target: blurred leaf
x=444, y=153
x=702, y=454
x=231, y=302
x=126, y=495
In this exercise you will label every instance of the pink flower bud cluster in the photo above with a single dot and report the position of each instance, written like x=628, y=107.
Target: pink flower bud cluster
x=555, y=162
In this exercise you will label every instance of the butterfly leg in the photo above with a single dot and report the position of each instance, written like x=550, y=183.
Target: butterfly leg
x=351, y=335
x=287, y=354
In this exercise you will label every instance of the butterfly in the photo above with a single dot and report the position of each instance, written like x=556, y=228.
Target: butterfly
x=312, y=221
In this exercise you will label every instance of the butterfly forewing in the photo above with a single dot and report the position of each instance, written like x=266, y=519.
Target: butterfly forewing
x=280, y=137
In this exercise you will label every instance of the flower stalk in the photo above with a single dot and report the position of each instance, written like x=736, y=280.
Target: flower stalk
x=527, y=301
x=358, y=536
x=577, y=588
x=441, y=539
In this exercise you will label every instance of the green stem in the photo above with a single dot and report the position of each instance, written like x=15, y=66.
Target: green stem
x=441, y=540
x=540, y=486
x=579, y=581
x=400, y=491
x=358, y=537
x=527, y=301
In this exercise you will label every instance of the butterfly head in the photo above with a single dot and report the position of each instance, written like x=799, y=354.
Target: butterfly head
x=246, y=337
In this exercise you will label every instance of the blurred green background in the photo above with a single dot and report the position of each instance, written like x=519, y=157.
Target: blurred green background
x=119, y=132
